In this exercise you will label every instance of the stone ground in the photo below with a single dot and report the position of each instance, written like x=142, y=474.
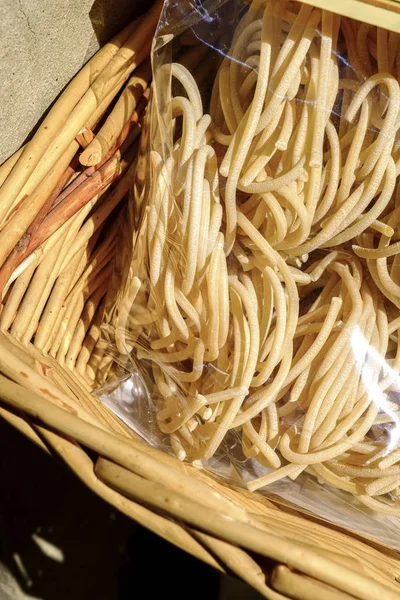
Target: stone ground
x=57, y=540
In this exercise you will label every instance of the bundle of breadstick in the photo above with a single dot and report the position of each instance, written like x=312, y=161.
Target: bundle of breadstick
x=267, y=288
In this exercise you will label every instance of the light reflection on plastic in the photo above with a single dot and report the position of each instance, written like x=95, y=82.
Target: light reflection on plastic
x=364, y=354
x=203, y=12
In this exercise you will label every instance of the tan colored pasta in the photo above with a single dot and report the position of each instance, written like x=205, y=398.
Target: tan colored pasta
x=267, y=260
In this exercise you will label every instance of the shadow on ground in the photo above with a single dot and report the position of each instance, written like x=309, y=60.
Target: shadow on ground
x=106, y=23
x=81, y=548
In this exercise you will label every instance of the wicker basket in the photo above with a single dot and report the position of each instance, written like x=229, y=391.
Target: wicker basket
x=46, y=391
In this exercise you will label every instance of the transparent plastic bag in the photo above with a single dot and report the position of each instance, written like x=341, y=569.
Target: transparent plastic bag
x=258, y=330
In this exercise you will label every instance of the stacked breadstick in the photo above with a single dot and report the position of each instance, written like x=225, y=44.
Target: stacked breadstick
x=266, y=288
x=59, y=203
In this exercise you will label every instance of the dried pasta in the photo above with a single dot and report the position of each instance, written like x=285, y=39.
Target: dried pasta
x=267, y=273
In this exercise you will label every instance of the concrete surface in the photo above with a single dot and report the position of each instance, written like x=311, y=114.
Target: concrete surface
x=43, y=43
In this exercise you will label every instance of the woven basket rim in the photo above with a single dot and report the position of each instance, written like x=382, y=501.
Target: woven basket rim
x=163, y=488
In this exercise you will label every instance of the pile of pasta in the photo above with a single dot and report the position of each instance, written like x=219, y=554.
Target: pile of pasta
x=267, y=282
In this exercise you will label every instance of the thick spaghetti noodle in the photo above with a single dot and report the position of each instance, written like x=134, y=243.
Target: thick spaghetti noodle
x=267, y=263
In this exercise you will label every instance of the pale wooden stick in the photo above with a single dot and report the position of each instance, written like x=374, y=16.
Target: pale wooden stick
x=13, y=364
x=86, y=194
x=296, y=586
x=62, y=322
x=84, y=323
x=49, y=274
x=20, y=286
x=103, y=373
x=51, y=125
x=17, y=293
x=52, y=319
x=91, y=339
x=78, y=305
x=36, y=257
x=55, y=150
x=101, y=257
x=119, y=116
x=59, y=293
x=8, y=164
x=23, y=427
x=95, y=359
x=102, y=212
x=240, y=563
x=26, y=320
x=71, y=229
x=209, y=520
x=80, y=463
x=23, y=217
x=108, y=444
